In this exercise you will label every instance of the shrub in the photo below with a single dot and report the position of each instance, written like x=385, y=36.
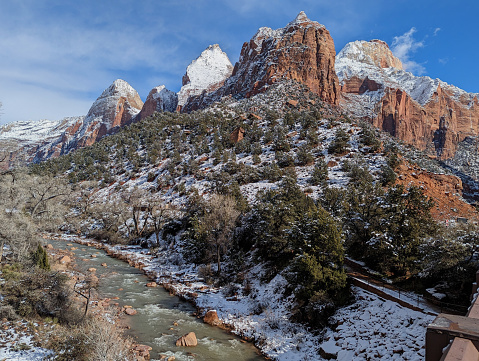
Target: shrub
x=320, y=173
x=339, y=143
x=40, y=258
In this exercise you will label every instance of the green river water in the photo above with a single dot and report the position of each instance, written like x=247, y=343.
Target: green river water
x=159, y=312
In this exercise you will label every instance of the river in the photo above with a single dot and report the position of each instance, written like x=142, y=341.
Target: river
x=161, y=318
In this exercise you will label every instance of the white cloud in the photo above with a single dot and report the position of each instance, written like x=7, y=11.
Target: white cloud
x=403, y=47
x=436, y=31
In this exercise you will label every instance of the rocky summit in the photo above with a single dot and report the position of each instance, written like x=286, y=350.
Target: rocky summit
x=205, y=74
x=160, y=99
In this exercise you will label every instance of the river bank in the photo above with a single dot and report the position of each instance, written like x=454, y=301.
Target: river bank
x=369, y=326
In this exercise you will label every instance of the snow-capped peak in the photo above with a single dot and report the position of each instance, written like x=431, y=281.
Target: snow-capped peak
x=302, y=19
x=375, y=61
x=207, y=72
x=119, y=86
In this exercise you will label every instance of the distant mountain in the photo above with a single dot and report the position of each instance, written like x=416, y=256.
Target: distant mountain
x=427, y=113
x=160, y=99
x=34, y=141
x=30, y=141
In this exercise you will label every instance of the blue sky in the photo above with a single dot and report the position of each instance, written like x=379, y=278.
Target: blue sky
x=58, y=56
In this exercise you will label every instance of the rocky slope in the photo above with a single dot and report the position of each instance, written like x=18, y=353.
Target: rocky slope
x=205, y=74
x=302, y=51
x=427, y=113
x=25, y=141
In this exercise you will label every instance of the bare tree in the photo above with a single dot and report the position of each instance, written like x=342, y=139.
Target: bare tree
x=137, y=204
x=218, y=223
x=28, y=204
x=160, y=214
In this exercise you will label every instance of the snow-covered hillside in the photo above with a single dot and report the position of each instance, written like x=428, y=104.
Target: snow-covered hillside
x=35, y=131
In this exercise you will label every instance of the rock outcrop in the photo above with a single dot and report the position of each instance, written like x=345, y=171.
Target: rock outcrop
x=427, y=113
x=302, y=51
x=160, y=100
x=205, y=74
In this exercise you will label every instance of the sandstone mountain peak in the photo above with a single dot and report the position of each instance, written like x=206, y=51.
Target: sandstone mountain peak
x=207, y=73
x=119, y=87
x=375, y=53
x=301, y=20
x=424, y=112
x=301, y=17
x=115, y=107
x=159, y=99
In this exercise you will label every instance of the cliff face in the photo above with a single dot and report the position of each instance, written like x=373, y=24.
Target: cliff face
x=159, y=99
x=429, y=114
x=302, y=51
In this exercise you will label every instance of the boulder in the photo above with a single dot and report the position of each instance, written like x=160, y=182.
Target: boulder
x=151, y=284
x=187, y=340
x=130, y=311
x=65, y=260
x=211, y=318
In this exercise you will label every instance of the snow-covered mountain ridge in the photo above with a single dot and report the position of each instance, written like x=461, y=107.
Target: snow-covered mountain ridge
x=427, y=113
x=36, y=130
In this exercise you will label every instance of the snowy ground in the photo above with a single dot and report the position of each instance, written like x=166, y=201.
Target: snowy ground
x=17, y=344
x=370, y=329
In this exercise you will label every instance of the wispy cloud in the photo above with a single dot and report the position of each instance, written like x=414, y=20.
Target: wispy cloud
x=404, y=47
x=436, y=31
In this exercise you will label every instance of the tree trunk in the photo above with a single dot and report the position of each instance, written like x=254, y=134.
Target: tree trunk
x=218, y=259
x=2, y=243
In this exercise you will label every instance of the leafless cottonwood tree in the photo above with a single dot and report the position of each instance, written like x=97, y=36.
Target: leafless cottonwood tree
x=29, y=204
x=218, y=223
x=160, y=214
